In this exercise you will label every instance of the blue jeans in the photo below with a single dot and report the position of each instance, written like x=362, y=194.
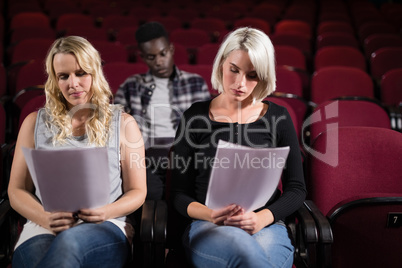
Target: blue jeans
x=209, y=245
x=85, y=245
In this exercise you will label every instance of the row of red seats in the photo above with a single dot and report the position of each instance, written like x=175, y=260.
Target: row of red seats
x=111, y=24
x=330, y=33
x=339, y=78
x=320, y=59
x=380, y=62
x=309, y=12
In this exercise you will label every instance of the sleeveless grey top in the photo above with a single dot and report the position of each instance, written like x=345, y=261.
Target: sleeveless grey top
x=43, y=140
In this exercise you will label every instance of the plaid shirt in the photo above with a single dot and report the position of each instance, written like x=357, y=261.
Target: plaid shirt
x=136, y=92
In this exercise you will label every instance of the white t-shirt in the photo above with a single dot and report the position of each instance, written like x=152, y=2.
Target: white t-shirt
x=160, y=110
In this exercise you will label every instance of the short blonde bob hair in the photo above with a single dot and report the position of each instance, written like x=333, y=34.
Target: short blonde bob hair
x=262, y=56
x=88, y=58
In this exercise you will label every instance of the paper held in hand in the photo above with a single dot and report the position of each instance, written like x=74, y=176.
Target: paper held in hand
x=244, y=176
x=70, y=179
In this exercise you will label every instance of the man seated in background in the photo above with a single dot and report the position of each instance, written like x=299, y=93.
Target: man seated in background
x=158, y=98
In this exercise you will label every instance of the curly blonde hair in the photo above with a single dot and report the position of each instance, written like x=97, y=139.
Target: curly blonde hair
x=97, y=126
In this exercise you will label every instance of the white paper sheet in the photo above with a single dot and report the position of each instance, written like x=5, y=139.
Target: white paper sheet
x=70, y=179
x=244, y=176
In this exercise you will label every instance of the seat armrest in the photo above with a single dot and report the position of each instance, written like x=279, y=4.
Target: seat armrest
x=8, y=233
x=395, y=117
x=147, y=221
x=325, y=236
x=160, y=232
x=324, y=228
x=160, y=222
x=308, y=223
x=4, y=209
x=153, y=232
x=305, y=236
x=154, y=221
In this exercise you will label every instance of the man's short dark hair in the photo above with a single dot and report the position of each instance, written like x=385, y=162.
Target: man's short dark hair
x=149, y=31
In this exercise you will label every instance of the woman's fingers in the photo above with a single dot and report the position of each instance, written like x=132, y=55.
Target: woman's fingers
x=220, y=215
x=92, y=215
x=250, y=222
x=60, y=221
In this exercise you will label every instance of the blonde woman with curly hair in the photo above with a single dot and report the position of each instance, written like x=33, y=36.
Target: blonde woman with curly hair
x=78, y=113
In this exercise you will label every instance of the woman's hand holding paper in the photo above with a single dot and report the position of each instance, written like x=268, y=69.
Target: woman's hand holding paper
x=97, y=215
x=61, y=221
x=220, y=215
x=251, y=222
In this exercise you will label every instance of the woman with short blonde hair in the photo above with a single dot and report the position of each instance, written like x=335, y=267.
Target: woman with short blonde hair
x=231, y=236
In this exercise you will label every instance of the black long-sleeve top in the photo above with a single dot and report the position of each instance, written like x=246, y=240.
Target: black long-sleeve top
x=195, y=147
